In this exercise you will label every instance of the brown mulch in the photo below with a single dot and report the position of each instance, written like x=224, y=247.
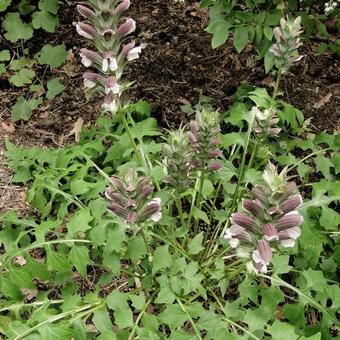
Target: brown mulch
x=177, y=65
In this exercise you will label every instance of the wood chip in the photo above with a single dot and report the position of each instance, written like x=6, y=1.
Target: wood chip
x=324, y=100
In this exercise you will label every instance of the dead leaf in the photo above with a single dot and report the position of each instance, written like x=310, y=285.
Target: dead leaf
x=10, y=128
x=30, y=294
x=20, y=260
x=78, y=125
x=322, y=101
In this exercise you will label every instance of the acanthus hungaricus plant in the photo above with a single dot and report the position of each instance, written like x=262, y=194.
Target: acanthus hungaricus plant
x=136, y=238
x=269, y=220
x=108, y=32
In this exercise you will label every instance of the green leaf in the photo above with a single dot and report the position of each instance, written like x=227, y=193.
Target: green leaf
x=138, y=301
x=268, y=61
x=57, y=262
x=315, y=280
x=173, y=316
x=256, y=319
x=195, y=245
x=323, y=164
x=45, y=20
x=54, y=87
x=51, y=6
x=16, y=28
x=136, y=248
x=5, y=55
x=116, y=235
x=79, y=257
x=295, y=314
x=280, y=264
x=240, y=38
x=79, y=222
x=23, y=77
x=329, y=219
x=21, y=110
x=200, y=215
x=165, y=295
x=117, y=301
x=4, y=4
x=161, y=259
x=268, y=32
x=101, y=319
x=220, y=31
x=2, y=68
x=52, y=55
x=207, y=188
x=282, y=330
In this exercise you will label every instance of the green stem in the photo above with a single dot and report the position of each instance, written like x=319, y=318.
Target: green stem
x=140, y=315
x=145, y=240
x=190, y=319
x=56, y=318
x=242, y=170
x=132, y=140
x=199, y=198
x=277, y=83
x=230, y=321
x=193, y=201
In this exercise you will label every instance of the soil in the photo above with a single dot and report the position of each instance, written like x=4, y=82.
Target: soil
x=177, y=65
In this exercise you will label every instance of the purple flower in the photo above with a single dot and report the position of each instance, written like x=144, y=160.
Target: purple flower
x=262, y=256
x=85, y=30
x=244, y=221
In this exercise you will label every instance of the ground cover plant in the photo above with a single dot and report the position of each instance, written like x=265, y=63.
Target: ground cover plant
x=223, y=228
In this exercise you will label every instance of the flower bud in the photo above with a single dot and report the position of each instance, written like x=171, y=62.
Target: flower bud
x=260, y=194
x=85, y=30
x=291, y=203
x=128, y=27
x=292, y=219
x=270, y=232
x=252, y=206
x=86, y=12
x=214, y=166
x=123, y=6
x=243, y=220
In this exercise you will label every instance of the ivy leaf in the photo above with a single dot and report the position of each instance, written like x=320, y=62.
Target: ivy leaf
x=21, y=110
x=240, y=38
x=45, y=20
x=79, y=257
x=5, y=55
x=16, y=28
x=52, y=55
x=4, y=4
x=51, y=6
x=195, y=245
x=23, y=77
x=220, y=31
x=54, y=87
x=117, y=301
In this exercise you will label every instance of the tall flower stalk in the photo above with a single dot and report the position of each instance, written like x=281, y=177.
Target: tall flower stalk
x=285, y=50
x=268, y=220
x=107, y=31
